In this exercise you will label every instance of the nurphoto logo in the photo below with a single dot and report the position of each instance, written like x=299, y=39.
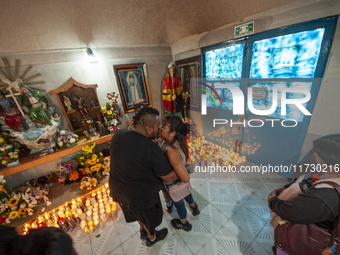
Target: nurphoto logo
x=238, y=103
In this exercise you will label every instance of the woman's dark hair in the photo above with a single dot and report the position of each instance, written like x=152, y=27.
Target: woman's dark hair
x=328, y=149
x=176, y=124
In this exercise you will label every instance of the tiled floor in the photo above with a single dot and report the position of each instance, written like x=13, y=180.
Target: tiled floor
x=234, y=220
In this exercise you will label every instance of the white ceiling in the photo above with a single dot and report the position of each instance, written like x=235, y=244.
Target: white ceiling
x=39, y=25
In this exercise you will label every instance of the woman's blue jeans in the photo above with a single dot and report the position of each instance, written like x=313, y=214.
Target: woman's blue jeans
x=180, y=206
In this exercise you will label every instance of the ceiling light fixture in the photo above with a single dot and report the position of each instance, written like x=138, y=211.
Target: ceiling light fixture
x=92, y=57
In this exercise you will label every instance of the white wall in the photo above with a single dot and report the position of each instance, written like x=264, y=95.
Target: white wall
x=325, y=119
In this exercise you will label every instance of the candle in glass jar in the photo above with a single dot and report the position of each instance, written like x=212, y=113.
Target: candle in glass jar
x=108, y=209
x=83, y=224
x=90, y=222
x=34, y=224
x=46, y=216
x=87, y=202
x=106, y=185
x=96, y=222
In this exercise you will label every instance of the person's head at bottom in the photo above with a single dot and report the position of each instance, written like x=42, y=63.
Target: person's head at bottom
x=327, y=152
x=146, y=121
x=41, y=241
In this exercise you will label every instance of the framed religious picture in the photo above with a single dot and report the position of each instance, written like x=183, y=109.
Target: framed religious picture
x=133, y=85
x=189, y=70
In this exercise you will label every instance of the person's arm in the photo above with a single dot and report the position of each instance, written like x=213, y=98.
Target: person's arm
x=277, y=192
x=177, y=165
x=306, y=208
x=170, y=177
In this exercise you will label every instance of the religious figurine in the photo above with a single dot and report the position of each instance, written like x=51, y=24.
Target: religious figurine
x=35, y=104
x=75, y=124
x=172, y=91
x=68, y=104
x=56, y=118
x=88, y=137
x=102, y=129
x=81, y=107
x=113, y=98
x=92, y=130
x=12, y=116
x=93, y=103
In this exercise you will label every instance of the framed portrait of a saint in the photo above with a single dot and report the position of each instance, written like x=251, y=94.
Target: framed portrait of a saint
x=133, y=85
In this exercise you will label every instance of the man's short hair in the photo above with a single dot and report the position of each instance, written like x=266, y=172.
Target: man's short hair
x=143, y=115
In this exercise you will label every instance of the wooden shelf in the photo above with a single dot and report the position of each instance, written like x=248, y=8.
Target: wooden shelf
x=95, y=107
x=70, y=112
x=27, y=163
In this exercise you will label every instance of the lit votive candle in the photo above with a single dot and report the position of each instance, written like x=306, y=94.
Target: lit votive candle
x=90, y=223
x=83, y=224
x=96, y=222
x=89, y=213
x=106, y=185
x=102, y=211
x=108, y=209
x=34, y=224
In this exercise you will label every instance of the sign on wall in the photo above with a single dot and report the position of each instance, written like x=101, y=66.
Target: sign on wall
x=245, y=29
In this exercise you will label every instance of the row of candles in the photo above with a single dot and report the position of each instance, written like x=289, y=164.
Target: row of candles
x=97, y=207
x=202, y=150
x=223, y=136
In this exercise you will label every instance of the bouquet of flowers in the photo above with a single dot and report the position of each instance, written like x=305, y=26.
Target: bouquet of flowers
x=8, y=154
x=88, y=182
x=111, y=115
x=67, y=139
x=15, y=204
x=91, y=162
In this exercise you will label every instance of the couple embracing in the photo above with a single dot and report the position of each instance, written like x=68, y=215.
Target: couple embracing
x=139, y=167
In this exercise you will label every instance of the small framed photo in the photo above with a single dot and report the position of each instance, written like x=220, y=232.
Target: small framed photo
x=133, y=85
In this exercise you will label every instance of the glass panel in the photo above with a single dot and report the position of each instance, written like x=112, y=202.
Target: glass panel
x=289, y=56
x=292, y=111
x=225, y=95
x=224, y=63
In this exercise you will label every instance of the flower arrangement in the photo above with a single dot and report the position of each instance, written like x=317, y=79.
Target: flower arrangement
x=67, y=139
x=15, y=204
x=8, y=154
x=111, y=115
x=91, y=161
x=88, y=183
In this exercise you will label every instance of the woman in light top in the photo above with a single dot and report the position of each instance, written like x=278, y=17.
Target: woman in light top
x=173, y=133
